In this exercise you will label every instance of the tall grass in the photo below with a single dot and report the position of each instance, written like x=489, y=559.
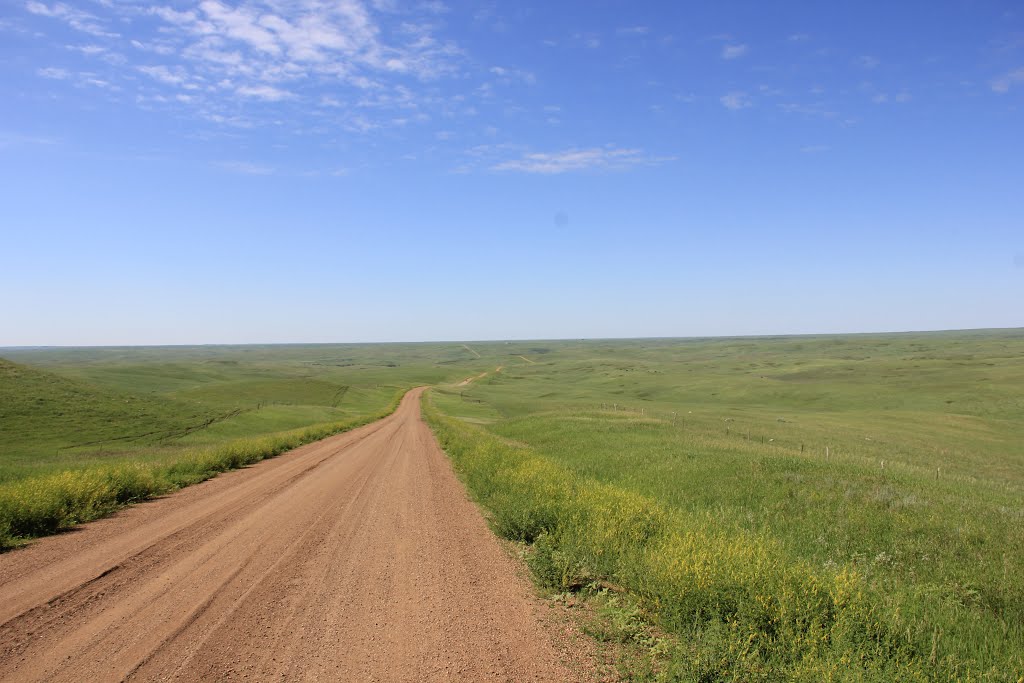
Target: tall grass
x=43, y=505
x=746, y=607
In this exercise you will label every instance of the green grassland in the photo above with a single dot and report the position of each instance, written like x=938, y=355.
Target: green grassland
x=694, y=474
x=83, y=431
x=846, y=508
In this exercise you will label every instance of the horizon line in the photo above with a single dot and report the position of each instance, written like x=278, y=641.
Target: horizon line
x=22, y=347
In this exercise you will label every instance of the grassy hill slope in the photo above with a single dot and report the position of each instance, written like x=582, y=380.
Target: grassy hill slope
x=45, y=417
x=803, y=508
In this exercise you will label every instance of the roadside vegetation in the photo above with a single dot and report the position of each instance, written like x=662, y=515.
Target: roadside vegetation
x=86, y=431
x=833, y=508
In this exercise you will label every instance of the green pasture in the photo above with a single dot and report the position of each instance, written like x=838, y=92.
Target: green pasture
x=85, y=430
x=661, y=465
x=846, y=508
x=74, y=408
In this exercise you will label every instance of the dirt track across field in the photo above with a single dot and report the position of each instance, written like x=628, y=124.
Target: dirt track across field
x=356, y=558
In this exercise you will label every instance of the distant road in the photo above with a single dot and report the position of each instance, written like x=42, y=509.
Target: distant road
x=356, y=558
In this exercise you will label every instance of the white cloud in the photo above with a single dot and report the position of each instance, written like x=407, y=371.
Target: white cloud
x=244, y=167
x=164, y=74
x=266, y=43
x=75, y=18
x=158, y=48
x=549, y=163
x=219, y=56
x=435, y=7
x=1003, y=83
x=96, y=82
x=816, y=109
x=361, y=124
x=55, y=73
x=509, y=75
x=242, y=24
x=733, y=51
x=735, y=100
x=633, y=31
x=265, y=92
x=867, y=61
x=173, y=16
x=591, y=41
x=88, y=50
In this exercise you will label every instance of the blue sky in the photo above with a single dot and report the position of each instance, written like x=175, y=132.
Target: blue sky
x=373, y=170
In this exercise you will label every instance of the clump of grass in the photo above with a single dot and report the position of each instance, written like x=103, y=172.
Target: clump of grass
x=38, y=506
x=744, y=606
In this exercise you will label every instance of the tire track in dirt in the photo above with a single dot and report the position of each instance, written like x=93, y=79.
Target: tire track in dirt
x=358, y=557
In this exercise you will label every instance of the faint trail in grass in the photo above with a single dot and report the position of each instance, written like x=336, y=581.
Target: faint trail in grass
x=340, y=394
x=470, y=380
x=163, y=436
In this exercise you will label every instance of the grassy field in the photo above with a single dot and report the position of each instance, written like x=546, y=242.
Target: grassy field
x=802, y=508
x=83, y=431
x=797, y=508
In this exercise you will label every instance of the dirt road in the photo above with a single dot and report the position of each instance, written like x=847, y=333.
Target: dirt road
x=356, y=558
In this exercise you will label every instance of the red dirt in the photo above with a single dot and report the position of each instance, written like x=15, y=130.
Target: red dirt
x=356, y=558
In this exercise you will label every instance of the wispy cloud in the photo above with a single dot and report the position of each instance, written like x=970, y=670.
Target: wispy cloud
x=90, y=50
x=434, y=7
x=507, y=75
x=867, y=62
x=587, y=39
x=736, y=100
x=265, y=92
x=54, y=73
x=91, y=79
x=209, y=53
x=75, y=18
x=244, y=167
x=79, y=79
x=733, y=51
x=165, y=74
x=1003, y=83
x=810, y=109
x=154, y=46
x=633, y=31
x=8, y=139
x=296, y=40
x=599, y=158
